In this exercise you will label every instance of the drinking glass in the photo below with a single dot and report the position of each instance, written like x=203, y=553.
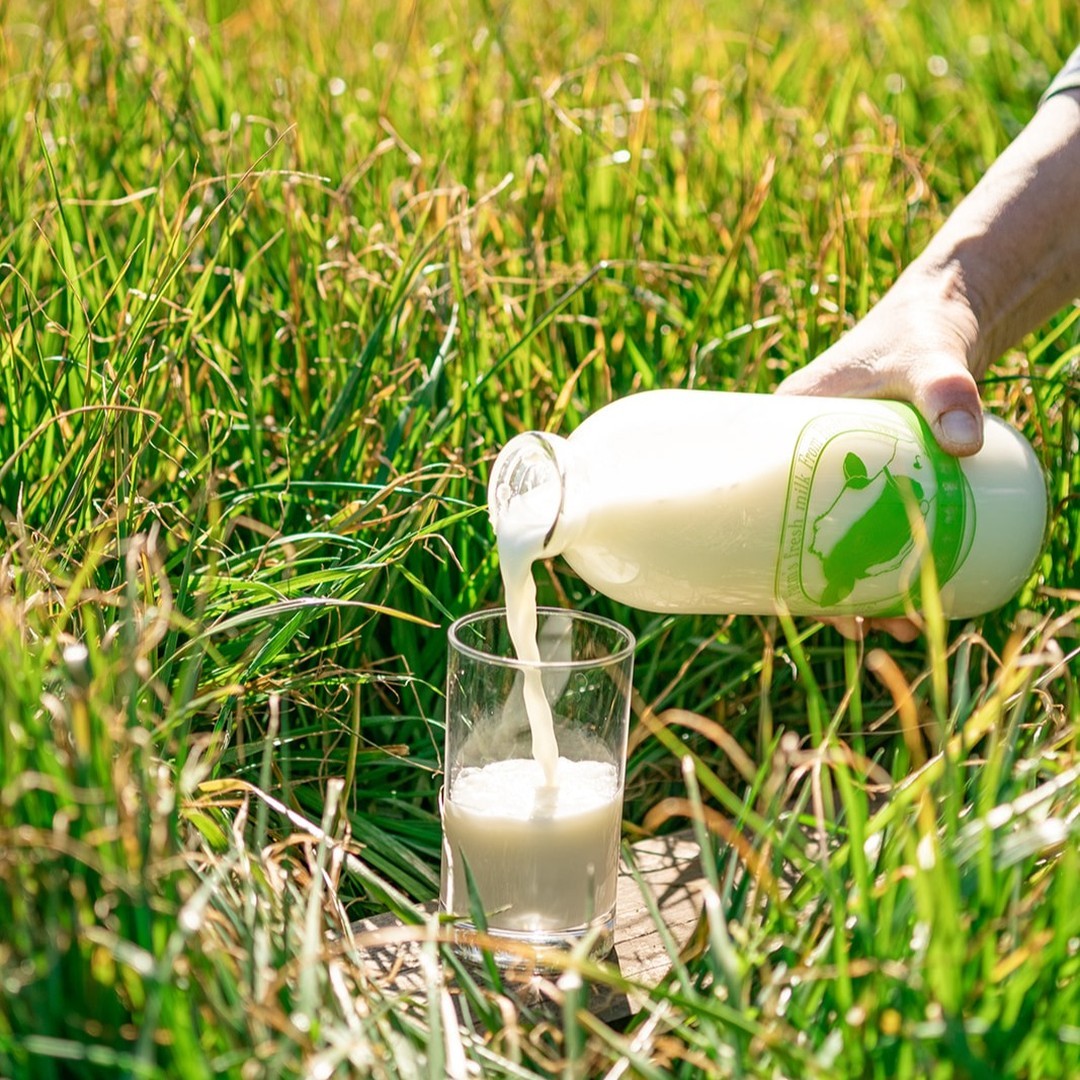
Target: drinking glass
x=531, y=858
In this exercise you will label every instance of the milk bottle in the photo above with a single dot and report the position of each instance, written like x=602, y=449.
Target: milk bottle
x=711, y=502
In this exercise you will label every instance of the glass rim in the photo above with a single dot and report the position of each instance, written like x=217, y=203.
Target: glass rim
x=616, y=656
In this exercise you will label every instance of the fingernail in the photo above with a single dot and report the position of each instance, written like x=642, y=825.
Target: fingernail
x=959, y=427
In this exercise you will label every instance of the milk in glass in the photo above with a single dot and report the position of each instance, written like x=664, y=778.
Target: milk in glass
x=543, y=857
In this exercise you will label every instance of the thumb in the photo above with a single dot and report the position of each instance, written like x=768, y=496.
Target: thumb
x=937, y=383
x=948, y=397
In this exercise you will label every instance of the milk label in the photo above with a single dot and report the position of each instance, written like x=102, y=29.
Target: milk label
x=865, y=502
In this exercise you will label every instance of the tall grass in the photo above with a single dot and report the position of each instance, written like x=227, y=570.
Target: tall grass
x=276, y=281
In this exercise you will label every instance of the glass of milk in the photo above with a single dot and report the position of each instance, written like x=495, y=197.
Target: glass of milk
x=534, y=770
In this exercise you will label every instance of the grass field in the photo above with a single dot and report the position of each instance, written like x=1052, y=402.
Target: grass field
x=277, y=280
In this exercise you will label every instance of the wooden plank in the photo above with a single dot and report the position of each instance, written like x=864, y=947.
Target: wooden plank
x=669, y=868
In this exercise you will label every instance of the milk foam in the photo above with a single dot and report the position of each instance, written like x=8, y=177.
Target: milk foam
x=518, y=789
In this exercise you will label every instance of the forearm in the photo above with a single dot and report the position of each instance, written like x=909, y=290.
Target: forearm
x=1004, y=261
x=1009, y=255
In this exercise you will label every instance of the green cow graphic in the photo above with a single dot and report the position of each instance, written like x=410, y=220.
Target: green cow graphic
x=866, y=531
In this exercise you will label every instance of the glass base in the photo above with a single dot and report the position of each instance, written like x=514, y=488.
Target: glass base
x=532, y=951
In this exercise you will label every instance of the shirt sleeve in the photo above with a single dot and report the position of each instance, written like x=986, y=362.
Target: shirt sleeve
x=1068, y=78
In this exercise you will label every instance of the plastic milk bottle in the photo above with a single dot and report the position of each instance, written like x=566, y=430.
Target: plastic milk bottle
x=701, y=501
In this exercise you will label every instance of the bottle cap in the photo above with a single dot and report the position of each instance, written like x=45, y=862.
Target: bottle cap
x=526, y=483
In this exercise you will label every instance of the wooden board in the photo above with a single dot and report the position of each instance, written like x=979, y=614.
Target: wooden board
x=669, y=868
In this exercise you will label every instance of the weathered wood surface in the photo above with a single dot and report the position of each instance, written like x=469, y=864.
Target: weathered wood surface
x=669, y=868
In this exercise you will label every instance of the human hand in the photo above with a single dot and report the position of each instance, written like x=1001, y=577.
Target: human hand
x=916, y=345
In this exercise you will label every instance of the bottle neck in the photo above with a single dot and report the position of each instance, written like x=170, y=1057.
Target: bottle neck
x=527, y=488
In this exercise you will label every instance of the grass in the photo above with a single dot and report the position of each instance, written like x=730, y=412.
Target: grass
x=276, y=282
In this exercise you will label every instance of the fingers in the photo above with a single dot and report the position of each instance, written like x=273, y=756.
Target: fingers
x=936, y=383
x=855, y=627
